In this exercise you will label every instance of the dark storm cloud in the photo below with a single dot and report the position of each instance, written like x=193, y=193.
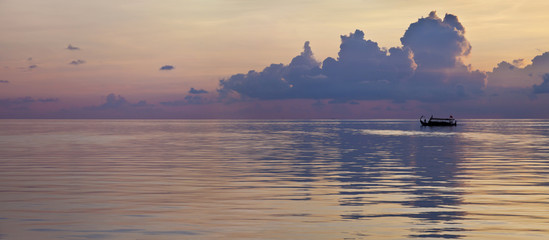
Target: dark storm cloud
x=166, y=68
x=71, y=47
x=197, y=91
x=77, y=62
x=428, y=67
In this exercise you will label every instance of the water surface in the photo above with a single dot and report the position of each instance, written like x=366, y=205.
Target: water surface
x=221, y=179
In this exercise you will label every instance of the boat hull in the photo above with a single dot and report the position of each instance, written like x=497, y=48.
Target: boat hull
x=438, y=121
x=430, y=124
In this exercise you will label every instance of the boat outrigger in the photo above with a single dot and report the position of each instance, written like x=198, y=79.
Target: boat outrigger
x=438, y=121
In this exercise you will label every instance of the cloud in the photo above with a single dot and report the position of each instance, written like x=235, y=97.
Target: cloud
x=544, y=86
x=47, y=100
x=437, y=43
x=187, y=100
x=77, y=62
x=16, y=101
x=113, y=101
x=113, y=106
x=4, y=81
x=71, y=47
x=519, y=62
x=24, y=101
x=276, y=81
x=428, y=67
x=438, y=46
x=195, y=97
x=167, y=68
x=31, y=67
x=197, y=91
x=519, y=75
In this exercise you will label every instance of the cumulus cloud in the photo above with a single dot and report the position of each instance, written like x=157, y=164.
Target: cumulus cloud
x=518, y=75
x=544, y=86
x=439, y=46
x=428, y=67
x=197, y=91
x=77, y=62
x=114, y=101
x=167, y=68
x=71, y=47
x=277, y=81
x=437, y=43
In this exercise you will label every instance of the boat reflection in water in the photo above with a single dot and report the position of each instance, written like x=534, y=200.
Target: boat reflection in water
x=438, y=121
x=273, y=179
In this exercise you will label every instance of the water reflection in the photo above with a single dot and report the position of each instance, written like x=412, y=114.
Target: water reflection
x=418, y=166
x=372, y=179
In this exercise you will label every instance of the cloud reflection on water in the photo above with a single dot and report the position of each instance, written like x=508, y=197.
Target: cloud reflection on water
x=274, y=179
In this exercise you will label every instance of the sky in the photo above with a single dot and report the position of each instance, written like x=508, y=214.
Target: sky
x=273, y=59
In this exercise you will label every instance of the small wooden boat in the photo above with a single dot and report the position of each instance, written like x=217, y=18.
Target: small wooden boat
x=438, y=121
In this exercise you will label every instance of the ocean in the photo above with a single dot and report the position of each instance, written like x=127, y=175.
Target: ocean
x=273, y=179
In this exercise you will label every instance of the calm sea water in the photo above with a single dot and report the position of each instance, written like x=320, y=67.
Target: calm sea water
x=190, y=179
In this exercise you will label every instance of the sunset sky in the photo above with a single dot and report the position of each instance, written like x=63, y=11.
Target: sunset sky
x=340, y=59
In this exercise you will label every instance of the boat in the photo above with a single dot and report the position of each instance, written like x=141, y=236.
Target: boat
x=432, y=121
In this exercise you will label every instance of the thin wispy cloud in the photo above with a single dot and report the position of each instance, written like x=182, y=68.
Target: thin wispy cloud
x=188, y=100
x=197, y=91
x=77, y=62
x=11, y=102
